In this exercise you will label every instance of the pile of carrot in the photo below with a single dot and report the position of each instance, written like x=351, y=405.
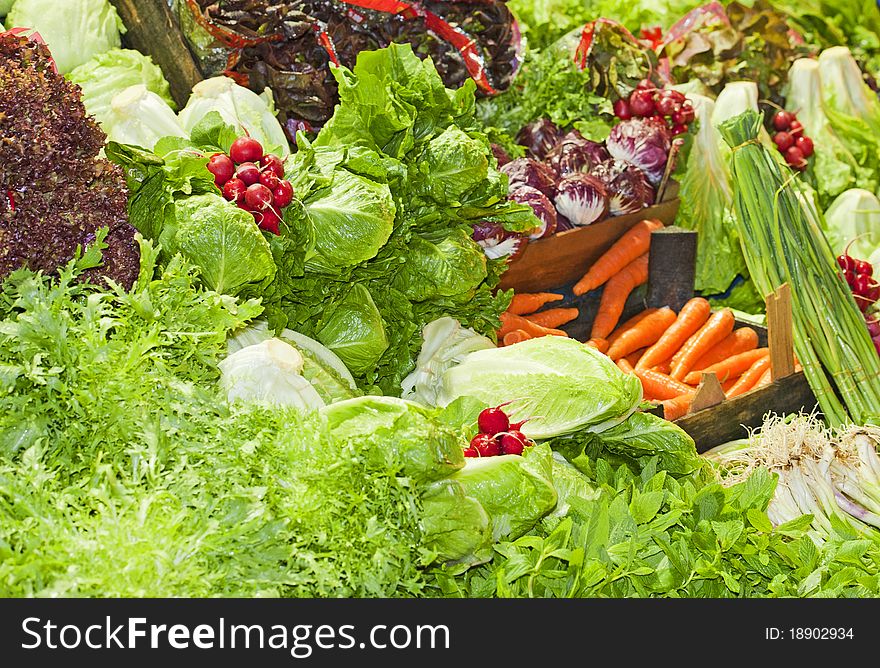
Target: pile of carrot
x=524, y=320
x=669, y=353
x=621, y=269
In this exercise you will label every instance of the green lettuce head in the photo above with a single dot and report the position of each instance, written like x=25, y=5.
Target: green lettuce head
x=74, y=30
x=109, y=73
x=355, y=330
x=558, y=384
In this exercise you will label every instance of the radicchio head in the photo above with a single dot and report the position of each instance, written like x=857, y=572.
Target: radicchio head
x=528, y=172
x=497, y=242
x=538, y=137
x=628, y=188
x=575, y=154
x=500, y=155
x=541, y=206
x=582, y=199
x=641, y=142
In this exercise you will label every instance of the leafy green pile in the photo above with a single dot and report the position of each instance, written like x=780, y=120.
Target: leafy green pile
x=124, y=473
x=377, y=243
x=647, y=533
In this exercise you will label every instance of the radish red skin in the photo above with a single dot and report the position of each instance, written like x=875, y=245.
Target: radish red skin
x=493, y=421
x=246, y=149
x=486, y=444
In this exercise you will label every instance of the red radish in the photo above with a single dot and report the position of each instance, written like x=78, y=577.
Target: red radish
x=846, y=262
x=849, y=276
x=796, y=129
x=646, y=84
x=282, y=194
x=269, y=221
x=622, y=110
x=863, y=267
x=471, y=451
x=805, y=144
x=874, y=293
x=512, y=445
x=246, y=149
x=641, y=102
x=874, y=328
x=258, y=197
x=782, y=120
x=795, y=158
x=677, y=96
x=248, y=172
x=486, y=445
x=234, y=190
x=269, y=179
x=861, y=285
x=666, y=104
x=783, y=141
x=272, y=163
x=222, y=168
x=679, y=129
x=493, y=421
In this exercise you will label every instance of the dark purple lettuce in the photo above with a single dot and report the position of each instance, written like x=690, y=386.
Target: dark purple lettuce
x=528, y=172
x=539, y=137
x=643, y=143
x=582, y=199
x=628, y=188
x=541, y=206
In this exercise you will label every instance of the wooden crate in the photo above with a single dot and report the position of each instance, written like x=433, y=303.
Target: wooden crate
x=563, y=258
x=670, y=283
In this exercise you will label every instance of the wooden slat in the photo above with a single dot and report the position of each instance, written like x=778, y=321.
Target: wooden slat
x=152, y=29
x=779, y=332
x=728, y=420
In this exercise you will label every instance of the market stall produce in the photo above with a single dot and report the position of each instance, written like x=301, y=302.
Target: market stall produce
x=390, y=302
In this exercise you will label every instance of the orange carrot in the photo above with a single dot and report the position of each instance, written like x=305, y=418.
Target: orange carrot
x=765, y=379
x=717, y=327
x=692, y=316
x=554, y=317
x=727, y=385
x=732, y=367
x=739, y=341
x=615, y=294
x=624, y=366
x=629, y=324
x=516, y=336
x=660, y=385
x=599, y=344
x=633, y=358
x=677, y=407
x=665, y=367
x=529, y=302
x=644, y=333
x=511, y=322
x=747, y=381
x=632, y=245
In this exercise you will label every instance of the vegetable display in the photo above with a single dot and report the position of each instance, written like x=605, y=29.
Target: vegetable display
x=254, y=344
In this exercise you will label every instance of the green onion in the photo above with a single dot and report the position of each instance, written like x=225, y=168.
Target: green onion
x=782, y=241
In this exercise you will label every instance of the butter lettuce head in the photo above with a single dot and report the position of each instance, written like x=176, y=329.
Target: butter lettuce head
x=241, y=108
x=412, y=438
x=516, y=491
x=74, y=30
x=353, y=218
x=109, y=73
x=224, y=242
x=560, y=385
x=450, y=266
x=355, y=331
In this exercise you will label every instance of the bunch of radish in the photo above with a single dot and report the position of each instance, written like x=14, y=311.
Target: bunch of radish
x=667, y=106
x=254, y=180
x=497, y=436
x=859, y=275
x=791, y=141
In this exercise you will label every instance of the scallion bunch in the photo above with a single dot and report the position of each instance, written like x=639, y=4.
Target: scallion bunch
x=783, y=242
